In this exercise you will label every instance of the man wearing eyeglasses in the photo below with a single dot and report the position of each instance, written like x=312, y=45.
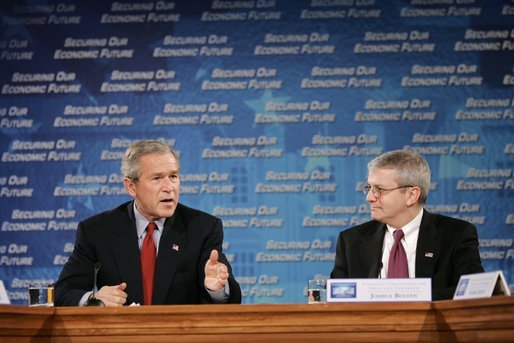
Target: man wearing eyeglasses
x=403, y=239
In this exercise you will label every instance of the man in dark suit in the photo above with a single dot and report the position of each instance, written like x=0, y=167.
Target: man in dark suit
x=189, y=268
x=435, y=246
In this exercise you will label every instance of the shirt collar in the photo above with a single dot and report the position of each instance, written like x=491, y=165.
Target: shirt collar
x=142, y=222
x=410, y=230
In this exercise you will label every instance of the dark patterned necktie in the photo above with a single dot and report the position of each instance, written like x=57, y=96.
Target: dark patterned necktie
x=148, y=258
x=398, y=267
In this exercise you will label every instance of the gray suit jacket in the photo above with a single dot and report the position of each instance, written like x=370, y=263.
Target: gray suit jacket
x=110, y=238
x=447, y=248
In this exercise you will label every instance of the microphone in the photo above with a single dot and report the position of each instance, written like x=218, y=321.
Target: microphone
x=375, y=272
x=92, y=301
x=380, y=265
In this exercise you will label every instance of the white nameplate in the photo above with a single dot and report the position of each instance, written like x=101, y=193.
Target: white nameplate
x=379, y=290
x=4, y=298
x=481, y=285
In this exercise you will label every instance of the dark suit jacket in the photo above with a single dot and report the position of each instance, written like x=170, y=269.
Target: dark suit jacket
x=110, y=238
x=447, y=248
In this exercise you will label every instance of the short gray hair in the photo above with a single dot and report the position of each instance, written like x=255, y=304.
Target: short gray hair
x=130, y=165
x=411, y=169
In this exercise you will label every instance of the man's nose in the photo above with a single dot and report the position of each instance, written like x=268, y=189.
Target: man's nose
x=168, y=184
x=370, y=197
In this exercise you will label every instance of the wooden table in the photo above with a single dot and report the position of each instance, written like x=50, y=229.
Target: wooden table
x=480, y=320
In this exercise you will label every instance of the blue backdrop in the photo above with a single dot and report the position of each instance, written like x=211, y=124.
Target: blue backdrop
x=275, y=106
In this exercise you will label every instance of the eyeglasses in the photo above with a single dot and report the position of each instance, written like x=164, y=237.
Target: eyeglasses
x=377, y=191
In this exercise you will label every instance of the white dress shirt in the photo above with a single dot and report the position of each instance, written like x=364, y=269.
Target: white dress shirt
x=409, y=242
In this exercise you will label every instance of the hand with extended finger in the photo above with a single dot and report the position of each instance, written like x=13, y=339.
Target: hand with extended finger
x=216, y=273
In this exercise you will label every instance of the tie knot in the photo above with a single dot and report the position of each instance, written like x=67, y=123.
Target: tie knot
x=398, y=235
x=150, y=228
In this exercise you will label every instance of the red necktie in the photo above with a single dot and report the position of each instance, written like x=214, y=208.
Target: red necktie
x=148, y=263
x=398, y=267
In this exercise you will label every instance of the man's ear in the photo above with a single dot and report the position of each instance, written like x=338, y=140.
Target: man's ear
x=414, y=194
x=130, y=186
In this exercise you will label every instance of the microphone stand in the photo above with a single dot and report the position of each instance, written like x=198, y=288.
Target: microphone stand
x=375, y=272
x=379, y=269
x=92, y=301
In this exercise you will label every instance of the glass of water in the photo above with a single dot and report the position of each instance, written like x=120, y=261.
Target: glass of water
x=317, y=291
x=41, y=295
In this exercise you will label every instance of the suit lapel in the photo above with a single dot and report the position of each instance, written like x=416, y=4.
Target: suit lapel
x=429, y=246
x=127, y=255
x=171, y=247
x=370, y=250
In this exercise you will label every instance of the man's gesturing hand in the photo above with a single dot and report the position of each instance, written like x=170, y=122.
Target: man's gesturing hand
x=216, y=273
x=112, y=295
